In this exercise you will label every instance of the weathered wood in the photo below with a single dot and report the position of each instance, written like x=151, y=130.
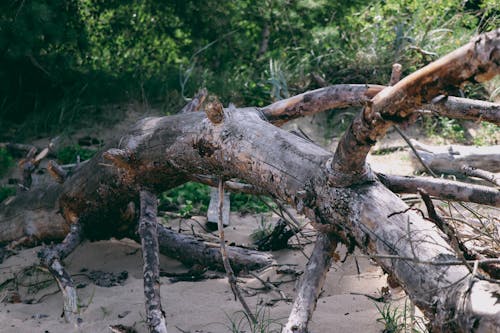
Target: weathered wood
x=338, y=192
x=476, y=61
x=311, y=284
x=452, y=158
x=319, y=100
x=231, y=278
x=442, y=188
x=196, y=103
x=191, y=251
x=213, y=208
x=51, y=258
x=483, y=174
x=57, y=172
x=464, y=108
x=155, y=316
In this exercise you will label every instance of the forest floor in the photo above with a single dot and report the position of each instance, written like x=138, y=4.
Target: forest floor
x=207, y=305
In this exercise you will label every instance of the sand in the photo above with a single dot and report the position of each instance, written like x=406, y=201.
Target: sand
x=203, y=306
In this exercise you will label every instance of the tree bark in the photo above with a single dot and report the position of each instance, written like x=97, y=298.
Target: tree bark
x=151, y=257
x=311, y=284
x=451, y=159
x=339, y=192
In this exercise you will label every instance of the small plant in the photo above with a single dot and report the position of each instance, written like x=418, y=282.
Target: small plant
x=263, y=230
x=487, y=134
x=399, y=321
x=240, y=322
x=6, y=161
x=188, y=199
x=69, y=154
x=193, y=198
x=391, y=317
x=445, y=128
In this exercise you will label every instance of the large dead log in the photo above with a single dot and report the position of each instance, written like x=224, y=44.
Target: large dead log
x=338, y=192
x=295, y=170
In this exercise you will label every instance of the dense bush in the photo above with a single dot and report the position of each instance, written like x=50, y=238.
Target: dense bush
x=57, y=57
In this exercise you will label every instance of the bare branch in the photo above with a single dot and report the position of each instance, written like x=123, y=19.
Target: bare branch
x=151, y=257
x=311, y=284
x=464, y=108
x=483, y=174
x=442, y=188
x=475, y=61
x=225, y=259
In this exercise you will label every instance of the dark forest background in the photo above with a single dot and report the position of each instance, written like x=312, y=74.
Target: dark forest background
x=61, y=61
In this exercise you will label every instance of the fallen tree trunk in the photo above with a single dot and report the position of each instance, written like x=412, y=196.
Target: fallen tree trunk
x=451, y=159
x=296, y=171
x=339, y=193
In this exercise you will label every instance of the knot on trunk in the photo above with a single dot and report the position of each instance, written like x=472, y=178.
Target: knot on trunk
x=214, y=110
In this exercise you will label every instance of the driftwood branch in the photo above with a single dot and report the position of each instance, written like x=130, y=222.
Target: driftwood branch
x=338, y=192
x=452, y=158
x=151, y=256
x=196, y=103
x=464, y=108
x=51, y=257
x=442, y=188
x=311, y=284
x=476, y=61
x=225, y=258
x=483, y=174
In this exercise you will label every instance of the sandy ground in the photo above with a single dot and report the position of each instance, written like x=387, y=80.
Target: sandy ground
x=204, y=306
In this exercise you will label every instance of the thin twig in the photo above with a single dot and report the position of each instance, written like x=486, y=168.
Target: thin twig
x=225, y=259
x=426, y=167
x=479, y=173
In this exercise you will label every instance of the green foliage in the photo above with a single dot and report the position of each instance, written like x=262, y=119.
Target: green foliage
x=5, y=192
x=6, y=161
x=391, y=317
x=240, y=322
x=487, y=134
x=70, y=154
x=398, y=320
x=246, y=203
x=446, y=128
x=188, y=198
x=193, y=198
x=57, y=58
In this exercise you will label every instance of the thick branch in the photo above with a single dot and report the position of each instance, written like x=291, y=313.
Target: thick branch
x=476, y=61
x=452, y=158
x=311, y=284
x=151, y=257
x=319, y=100
x=464, y=108
x=443, y=189
x=51, y=258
